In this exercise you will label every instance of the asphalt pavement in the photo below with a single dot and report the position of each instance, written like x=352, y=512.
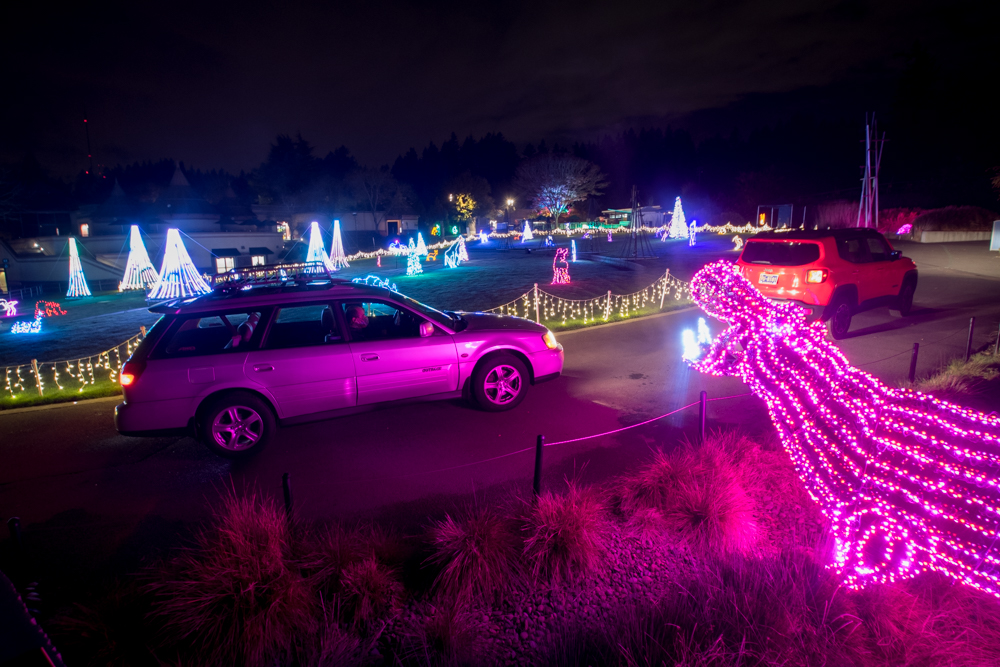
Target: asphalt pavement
x=93, y=502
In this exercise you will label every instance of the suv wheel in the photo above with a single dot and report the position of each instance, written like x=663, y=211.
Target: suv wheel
x=904, y=302
x=236, y=424
x=840, y=318
x=499, y=383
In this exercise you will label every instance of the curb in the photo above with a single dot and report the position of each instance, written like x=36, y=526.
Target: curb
x=62, y=404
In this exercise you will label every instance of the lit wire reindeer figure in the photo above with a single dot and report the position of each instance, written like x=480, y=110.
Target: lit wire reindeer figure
x=908, y=482
x=560, y=267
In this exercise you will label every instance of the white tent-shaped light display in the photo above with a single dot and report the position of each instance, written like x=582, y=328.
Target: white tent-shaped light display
x=678, y=228
x=178, y=275
x=317, y=251
x=337, y=256
x=421, y=246
x=77, y=281
x=527, y=236
x=139, y=271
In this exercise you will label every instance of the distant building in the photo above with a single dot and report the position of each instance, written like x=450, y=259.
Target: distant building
x=652, y=216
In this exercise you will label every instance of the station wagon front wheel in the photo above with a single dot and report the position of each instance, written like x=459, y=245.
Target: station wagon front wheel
x=500, y=383
x=236, y=424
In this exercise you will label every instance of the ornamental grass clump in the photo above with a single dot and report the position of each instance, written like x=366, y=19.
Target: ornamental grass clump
x=566, y=534
x=371, y=590
x=478, y=553
x=236, y=596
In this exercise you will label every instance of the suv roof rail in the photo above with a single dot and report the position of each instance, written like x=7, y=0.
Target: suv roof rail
x=298, y=273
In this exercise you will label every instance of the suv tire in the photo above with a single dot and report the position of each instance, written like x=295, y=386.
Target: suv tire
x=840, y=317
x=236, y=424
x=904, y=302
x=500, y=382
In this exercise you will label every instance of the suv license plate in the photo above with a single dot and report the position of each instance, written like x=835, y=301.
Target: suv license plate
x=768, y=279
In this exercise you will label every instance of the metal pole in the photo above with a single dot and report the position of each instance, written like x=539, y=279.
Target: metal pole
x=538, y=317
x=286, y=488
x=536, y=484
x=968, y=345
x=913, y=363
x=702, y=409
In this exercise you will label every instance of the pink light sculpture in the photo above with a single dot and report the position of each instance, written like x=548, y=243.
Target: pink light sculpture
x=560, y=267
x=909, y=482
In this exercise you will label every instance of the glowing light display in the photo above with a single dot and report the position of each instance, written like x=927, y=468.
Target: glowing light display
x=178, y=275
x=421, y=246
x=317, y=251
x=527, y=235
x=456, y=254
x=609, y=236
x=678, y=228
x=483, y=238
x=48, y=309
x=573, y=246
x=337, y=256
x=908, y=481
x=548, y=241
x=34, y=326
x=375, y=281
x=692, y=231
x=77, y=281
x=9, y=307
x=905, y=229
x=560, y=267
x=413, y=267
x=737, y=242
x=139, y=271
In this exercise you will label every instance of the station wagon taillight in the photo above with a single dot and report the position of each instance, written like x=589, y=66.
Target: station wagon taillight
x=131, y=372
x=816, y=275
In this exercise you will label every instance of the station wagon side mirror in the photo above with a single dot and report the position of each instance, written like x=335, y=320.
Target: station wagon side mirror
x=426, y=329
x=895, y=254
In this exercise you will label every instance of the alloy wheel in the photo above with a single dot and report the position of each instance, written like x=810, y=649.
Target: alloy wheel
x=237, y=427
x=502, y=384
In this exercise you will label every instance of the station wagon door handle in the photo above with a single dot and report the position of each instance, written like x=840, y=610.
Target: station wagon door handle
x=369, y=357
x=261, y=368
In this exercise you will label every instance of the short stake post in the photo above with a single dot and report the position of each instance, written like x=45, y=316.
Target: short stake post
x=536, y=484
x=286, y=488
x=968, y=346
x=996, y=346
x=702, y=409
x=38, y=378
x=913, y=363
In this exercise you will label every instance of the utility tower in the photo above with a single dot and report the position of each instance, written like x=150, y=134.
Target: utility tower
x=868, y=207
x=637, y=245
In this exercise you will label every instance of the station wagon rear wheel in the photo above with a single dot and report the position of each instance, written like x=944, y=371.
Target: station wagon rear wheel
x=500, y=383
x=236, y=424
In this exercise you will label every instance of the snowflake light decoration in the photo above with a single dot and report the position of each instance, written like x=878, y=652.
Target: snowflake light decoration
x=909, y=482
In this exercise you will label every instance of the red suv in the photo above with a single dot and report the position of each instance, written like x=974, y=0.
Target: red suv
x=833, y=273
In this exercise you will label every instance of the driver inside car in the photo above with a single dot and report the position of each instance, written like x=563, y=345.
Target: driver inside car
x=356, y=319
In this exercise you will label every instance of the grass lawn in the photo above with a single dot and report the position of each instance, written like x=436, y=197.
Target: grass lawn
x=70, y=392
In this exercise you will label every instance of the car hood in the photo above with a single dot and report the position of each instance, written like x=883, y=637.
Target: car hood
x=488, y=321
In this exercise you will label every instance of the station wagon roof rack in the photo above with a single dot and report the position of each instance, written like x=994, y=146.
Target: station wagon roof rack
x=271, y=275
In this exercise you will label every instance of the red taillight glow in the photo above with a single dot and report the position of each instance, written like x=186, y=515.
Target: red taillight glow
x=127, y=379
x=131, y=372
x=816, y=275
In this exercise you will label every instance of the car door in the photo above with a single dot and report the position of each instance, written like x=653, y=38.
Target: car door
x=304, y=362
x=886, y=279
x=854, y=249
x=393, y=361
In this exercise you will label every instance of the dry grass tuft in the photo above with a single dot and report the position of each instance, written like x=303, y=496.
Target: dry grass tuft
x=713, y=512
x=236, y=597
x=478, y=554
x=371, y=591
x=962, y=377
x=336, y=647
x=566, y=534
x=451, y=636
x=646, y=525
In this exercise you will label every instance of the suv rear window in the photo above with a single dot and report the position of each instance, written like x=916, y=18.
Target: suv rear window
x=780, y=253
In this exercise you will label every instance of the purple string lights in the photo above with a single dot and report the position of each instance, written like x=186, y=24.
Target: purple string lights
x=908, y=482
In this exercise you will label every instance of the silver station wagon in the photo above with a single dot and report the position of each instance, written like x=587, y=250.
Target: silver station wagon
x=230, y=366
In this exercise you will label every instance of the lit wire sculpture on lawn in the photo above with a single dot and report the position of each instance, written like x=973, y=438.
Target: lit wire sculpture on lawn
x=178, y=275
x=560, y=267
x=909, y=482
x=139, y=271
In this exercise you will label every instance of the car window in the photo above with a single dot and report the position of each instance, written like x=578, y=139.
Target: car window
x=303, y=326
x=877, y=249
x=200, y=335
x=853, y=249
x=378, y=320
x=780, y=253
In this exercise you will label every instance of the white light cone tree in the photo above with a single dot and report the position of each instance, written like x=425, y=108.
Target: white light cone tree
x=337, y=256
x=178, y=275
x=139, y=271
x=421, y=246
x=678, y=225
x=317, y=251
x=77, y=281
x=527, y=236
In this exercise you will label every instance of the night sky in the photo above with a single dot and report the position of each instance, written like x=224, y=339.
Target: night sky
x=212, y=84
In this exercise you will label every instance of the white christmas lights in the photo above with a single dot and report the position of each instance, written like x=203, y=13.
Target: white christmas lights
x=178, y=276
x=139, y=271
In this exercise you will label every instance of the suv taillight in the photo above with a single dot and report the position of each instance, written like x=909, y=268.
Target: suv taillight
x=131, y=372
x=816, y=275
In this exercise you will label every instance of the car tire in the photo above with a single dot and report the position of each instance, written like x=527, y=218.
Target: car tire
x=500, y=382
x=236, y=424
x=839, y=322
x=904, y=302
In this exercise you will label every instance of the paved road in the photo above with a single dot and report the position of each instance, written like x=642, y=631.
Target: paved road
x=83, y=490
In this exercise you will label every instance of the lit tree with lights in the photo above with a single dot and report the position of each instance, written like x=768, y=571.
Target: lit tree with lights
x=554, y=182
x=527, y=235
x=337, y=256
x=413, y=266
x=463, y=254
x=317, y=251
x=678, y=228
x=139, y=271
x=421, y=246
x=908, y=481
x=77, y=281
x=178, y=275
x=465, y=204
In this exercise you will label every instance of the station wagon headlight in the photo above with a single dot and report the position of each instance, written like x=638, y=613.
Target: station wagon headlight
x=550, y=340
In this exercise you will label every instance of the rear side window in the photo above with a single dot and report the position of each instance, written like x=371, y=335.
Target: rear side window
x=780, y=253
x=303, y=326
x=853, y=249
x=200, y=335
x=877, y=249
